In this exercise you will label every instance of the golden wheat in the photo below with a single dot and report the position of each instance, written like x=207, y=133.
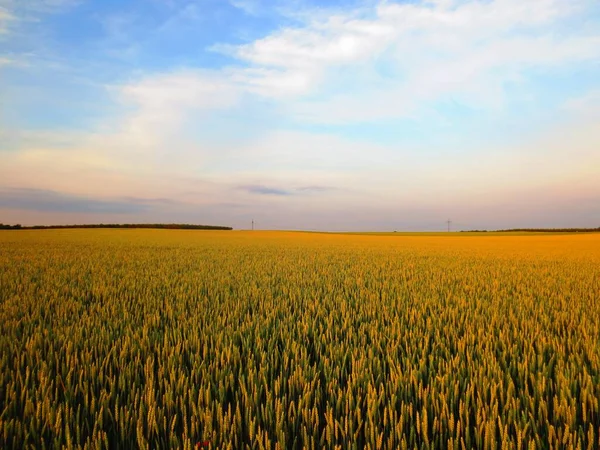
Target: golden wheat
x=166, y=339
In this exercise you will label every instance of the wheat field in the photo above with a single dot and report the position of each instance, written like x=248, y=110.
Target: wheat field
x=230, y=339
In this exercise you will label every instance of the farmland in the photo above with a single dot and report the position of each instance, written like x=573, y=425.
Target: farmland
x=168, y=338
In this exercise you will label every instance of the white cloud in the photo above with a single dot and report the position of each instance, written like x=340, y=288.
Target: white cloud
x=162, y=103
x=329, y=70
x=466, y=49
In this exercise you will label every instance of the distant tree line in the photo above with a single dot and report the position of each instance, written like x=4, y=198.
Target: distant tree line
x=541, y=230
x=557, y=230
x=169, y=226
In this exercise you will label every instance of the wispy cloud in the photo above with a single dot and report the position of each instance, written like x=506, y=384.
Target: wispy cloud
x=429, y=50
x=5, y=19
x=315, y=189
x=164, y=100
x=264, y=190
x=38, y=5
x=396, y=58
x=6, y=61
x=251, y=7
x=14, y=11
x=584, y=105
x=300, y=190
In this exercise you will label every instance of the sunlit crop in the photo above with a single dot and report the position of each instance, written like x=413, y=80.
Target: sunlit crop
x=165, y=339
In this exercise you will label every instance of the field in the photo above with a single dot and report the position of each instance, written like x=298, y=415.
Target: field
x=231, y=339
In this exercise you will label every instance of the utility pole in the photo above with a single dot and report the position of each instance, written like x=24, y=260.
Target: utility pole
x=252, y=224
x=448, y=222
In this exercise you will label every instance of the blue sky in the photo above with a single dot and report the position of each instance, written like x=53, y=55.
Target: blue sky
x=338, y=115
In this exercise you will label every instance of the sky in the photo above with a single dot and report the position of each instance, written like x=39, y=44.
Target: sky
x=301, y=114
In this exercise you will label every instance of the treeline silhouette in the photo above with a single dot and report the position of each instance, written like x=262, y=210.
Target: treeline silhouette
x=168, y=226
x=539, y=230
x=556, y=230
